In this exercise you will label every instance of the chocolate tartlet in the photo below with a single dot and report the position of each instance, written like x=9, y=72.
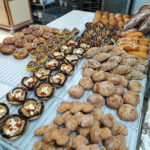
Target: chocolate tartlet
x=14, y=127
x=41, y=58
x=29, y=83
x=42, y=74
x=44, y=91
x=79, y=52
x=31, y=110
x=65, y=49
x=73, y=59
x=58, y=55
x=17, y=96
x=42, y=48
x=67, y=69
x=58, y=79
x=4, y=112
x=34, y=53
x=52, y=64
x=32, y=65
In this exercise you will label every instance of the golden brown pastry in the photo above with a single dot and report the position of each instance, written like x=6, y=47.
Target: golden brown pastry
x=26, y=31
x=39, y=40
x=18, y=35
x=30, y=46
x=29, y=37
x=7, y=49
x=9, y=41
x=48, y=35
x=20, y=43
x=20, y=53
x=37, y=32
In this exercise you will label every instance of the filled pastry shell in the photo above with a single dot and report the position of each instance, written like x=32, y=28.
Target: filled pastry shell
x=44, y=91
x=41, y=58
x=72, y=43
x=79, y=52
x=17, y=96
x=65, y=49
x=52, y=64
x=67, y=69
x=32, y=65
x=73, y=59
x=4, y=111
x=31, y=110
x=58, y=55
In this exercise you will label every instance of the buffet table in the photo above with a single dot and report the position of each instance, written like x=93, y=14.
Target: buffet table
x=13, y=70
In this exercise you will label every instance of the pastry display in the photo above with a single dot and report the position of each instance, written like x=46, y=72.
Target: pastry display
x=17, y=96
x=26, y=31
x=32, y=65
x=31, y=110
x=58, y=79
x=39, y=40
x=71, y=59
x=18, y=35
x=7, y=49
x=4, y=112
x=41, y=58
x=37, y=32
x=20, y=53
x=67, y=69
x=44, y=91
x=52, y=64
x=42, y=74
x=29, y=83
x=14, y=127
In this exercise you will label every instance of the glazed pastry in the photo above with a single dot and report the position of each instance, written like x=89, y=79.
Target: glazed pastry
x=29, y=83
x=4, y=112
x=17, y=96
x=20, y=43
x=29, y=37
x=9, y=41
x=67, y=69
x=54, y=30
x=79, y=52
x=58, y=80
x=26, y=31
x=34, y=53
x=41, y=58
x=58, y=55
x=45, y=28
x=85, y=46
x=20, y=53
x=65, y=49
x=29, y=46
x=66, y=31
x=32, y=65
x=7, y=49
x=31, y=110
x=18, y=35
x=53, y=64
x=44, y=91
x=34, y=27
x=39, y=40
x=72, y=43
x=73, y=59
x=37, y=32
x=14, y=127
x=48, y=35
x=42, y=74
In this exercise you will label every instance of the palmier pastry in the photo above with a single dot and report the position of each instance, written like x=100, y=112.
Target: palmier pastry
x=29, y=83
x=29, y=37
x=44, y=91
x=32, y=65
x=4, y=112
x=66, y=31
x=14, y=127
x=29, y=46
x=20, y=53
x=41, y=58
x=54, y=30
x=34, y=53
x=7, y=49
x=37, y=32
x=20, y=42
x=67, y=69
x=26, y=31
x=58, y=55
x=42, y=74
x=73, y=59
x=79, y=52
x=72, y=43
x=34, y=27
x=52, y=64
x=39, y=40
x=9, y=41
x=17, y=96
x=85, y=46
x=31, y=109
x=48, y=35
x=58, y=79
x=65, y=49
x=18, y=35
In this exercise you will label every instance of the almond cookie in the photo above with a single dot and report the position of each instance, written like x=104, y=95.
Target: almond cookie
x=86, y=83
x=129, y=61
x=87, y=72
x=135, y=86
x=101, y=57
x=98, y=76
x=114, y=78
x=107, y=66
x=140, y=68
x=116, y=59
x=119, y=90
x=135, y=75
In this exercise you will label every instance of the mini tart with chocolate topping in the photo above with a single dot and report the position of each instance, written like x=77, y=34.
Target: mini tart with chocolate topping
x=61, y=35
x=42, y=47
x=72, y=43
x=29, y=83
x=73, y=59
x=31, y=110
x=79, y=52
x=48, y=43
x=65, y=49
x=52, y=64
x=67, y=69
x=44, y=91
x=41, y=58
x=58, y=79
x=42, y=74
x=32, y=65
x=17, y=96
x=34, y=53
x=4, y=112
x=14, y=127
x=58, y=55
x=84, y=46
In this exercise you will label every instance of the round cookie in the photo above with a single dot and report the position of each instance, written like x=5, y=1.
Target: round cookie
x=98, y=76
x=20, y=53
x=135, y=86
x=86, y=83
x=87, y=72
x=119, y=90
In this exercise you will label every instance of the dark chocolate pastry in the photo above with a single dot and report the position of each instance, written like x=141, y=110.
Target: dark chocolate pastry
x=79, y=52
x=65, y=49
x=72, y=43
x=4, y=112
x=67, y=69
x=73, y=59
x=41, y=58
x=58, y=55
x=52, y=64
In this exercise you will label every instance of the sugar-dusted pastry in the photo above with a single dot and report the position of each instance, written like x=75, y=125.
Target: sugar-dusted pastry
x=34, y=53
x=9, y=41
x=44, y=91
x=14, y=127
x=73, y=59
x=30, y=46
x=29, y=83
x=7, y=49
x=52, y=64
x=4, y=112
x=32, y=65
x=42, y=73
x=31, y=109
x=20, y=42
x=41, y=58
x=58, y=79
x=67, y=69
x=30, y=37
x=79, y=52
x=20, y=53
x=17, y=96
x=58, y=55
x=65, y=49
